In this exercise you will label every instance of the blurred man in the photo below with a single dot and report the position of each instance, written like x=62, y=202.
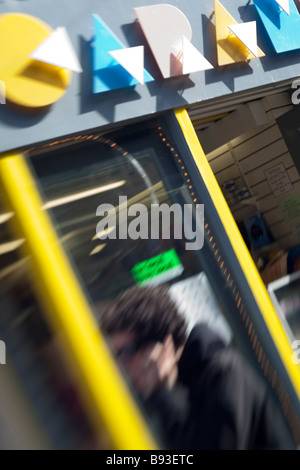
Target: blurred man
x=199, y=393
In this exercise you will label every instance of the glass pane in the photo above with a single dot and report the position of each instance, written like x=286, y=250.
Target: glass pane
x=91, y=185
x=122, y=170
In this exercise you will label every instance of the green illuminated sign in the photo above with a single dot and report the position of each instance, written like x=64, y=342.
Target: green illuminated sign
x=159, y=269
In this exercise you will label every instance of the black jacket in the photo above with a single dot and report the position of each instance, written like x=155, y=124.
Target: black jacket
x=219, y=402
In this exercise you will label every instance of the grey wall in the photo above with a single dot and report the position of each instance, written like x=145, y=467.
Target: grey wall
x=80, y=110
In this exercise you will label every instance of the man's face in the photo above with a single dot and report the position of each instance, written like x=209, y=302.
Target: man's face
x=125, y=345
x=149, y=365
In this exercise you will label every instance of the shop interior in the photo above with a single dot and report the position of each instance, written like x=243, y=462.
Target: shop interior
x=252, y=149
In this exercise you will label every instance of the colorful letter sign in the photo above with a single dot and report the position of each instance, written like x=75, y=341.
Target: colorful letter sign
x=36, y=63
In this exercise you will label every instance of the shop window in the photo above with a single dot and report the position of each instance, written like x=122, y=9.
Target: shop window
x=143, y=164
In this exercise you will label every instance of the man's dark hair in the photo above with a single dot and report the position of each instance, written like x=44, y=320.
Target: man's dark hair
x=149, y=311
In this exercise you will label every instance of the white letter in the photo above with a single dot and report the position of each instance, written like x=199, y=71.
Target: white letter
x=141, y=221
x=296, y=94
x=188, y=227
x=106, y=228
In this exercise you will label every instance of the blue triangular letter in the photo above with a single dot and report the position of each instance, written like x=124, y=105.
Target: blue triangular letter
x=108, y=74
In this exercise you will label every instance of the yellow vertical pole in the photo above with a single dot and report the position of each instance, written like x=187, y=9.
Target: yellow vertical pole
x=106, y=398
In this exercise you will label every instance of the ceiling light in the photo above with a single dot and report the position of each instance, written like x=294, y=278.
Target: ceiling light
x=76, y=197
